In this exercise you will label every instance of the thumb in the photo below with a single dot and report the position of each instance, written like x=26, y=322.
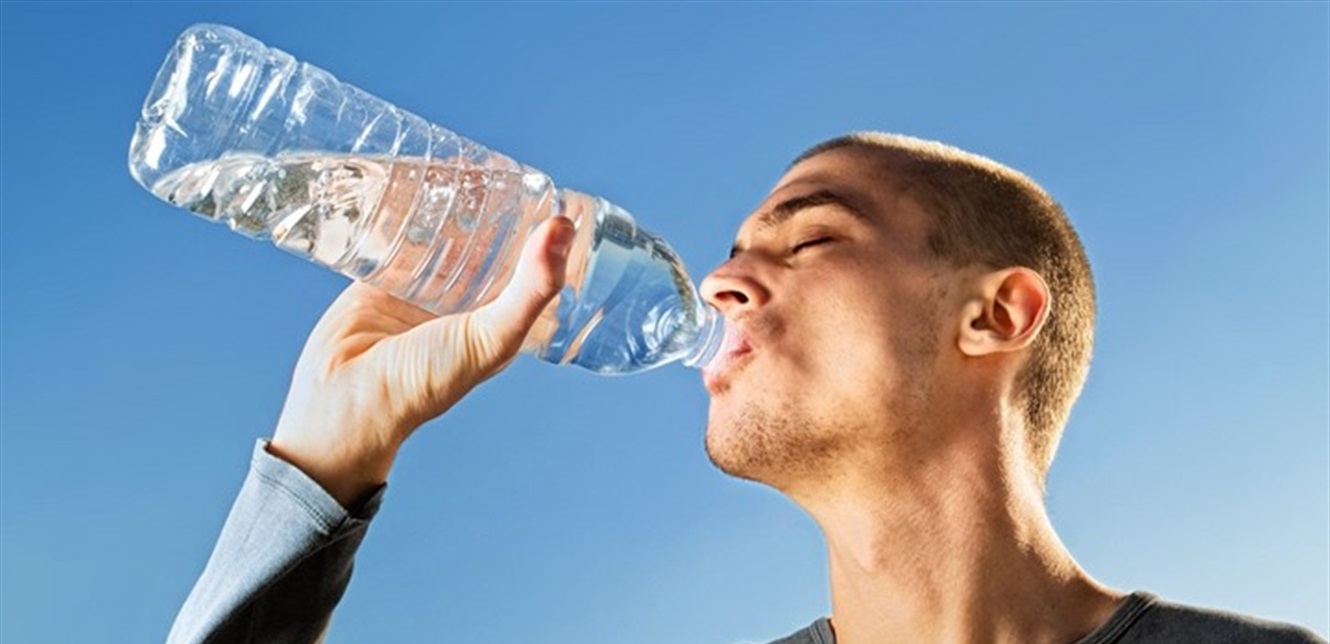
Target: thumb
x=435, y=364
x=500, y=326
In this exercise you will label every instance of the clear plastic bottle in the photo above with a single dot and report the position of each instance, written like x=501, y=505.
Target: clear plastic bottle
x=242, y=133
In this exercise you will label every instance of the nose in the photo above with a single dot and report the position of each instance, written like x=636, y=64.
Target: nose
x=733, y=291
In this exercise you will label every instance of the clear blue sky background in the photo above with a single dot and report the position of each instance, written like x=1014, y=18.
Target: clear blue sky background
x=145, y=350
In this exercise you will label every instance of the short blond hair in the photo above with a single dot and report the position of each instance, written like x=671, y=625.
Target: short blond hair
x=985, y=213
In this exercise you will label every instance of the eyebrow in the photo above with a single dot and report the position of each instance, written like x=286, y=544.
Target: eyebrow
x=785, y=210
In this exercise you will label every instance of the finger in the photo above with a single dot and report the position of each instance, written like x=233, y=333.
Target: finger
x=359, y=293
x=435, y=364
x=502, y=324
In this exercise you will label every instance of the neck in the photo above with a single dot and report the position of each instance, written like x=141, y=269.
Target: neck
x=950, y=550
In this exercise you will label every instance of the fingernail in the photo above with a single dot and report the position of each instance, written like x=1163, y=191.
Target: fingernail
x=563, y=241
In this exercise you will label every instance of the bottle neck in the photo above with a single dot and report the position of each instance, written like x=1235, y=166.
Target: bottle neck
x=710, y=338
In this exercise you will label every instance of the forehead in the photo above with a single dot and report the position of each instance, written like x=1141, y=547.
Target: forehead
x=858, y=178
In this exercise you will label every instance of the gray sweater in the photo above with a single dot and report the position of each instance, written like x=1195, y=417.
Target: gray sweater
x=285, y=555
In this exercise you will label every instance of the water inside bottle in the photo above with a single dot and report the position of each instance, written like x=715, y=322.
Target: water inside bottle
x=634, y=308
x=446, y=236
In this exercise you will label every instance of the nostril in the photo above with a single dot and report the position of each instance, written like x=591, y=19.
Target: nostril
x=727, y=291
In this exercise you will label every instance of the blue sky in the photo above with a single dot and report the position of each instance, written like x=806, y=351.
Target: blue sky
x=143, y=350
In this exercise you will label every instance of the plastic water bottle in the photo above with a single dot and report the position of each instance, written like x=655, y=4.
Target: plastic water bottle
x=242, y=133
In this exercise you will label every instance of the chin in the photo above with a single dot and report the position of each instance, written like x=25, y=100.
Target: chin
x=760, y=442
x=727, y=455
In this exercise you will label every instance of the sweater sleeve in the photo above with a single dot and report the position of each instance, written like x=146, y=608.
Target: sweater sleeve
x=281, y=564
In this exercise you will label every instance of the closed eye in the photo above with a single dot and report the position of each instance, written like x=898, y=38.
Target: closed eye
x=809, y=244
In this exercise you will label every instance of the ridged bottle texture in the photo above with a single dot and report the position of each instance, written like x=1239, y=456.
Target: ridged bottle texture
x=241, y=133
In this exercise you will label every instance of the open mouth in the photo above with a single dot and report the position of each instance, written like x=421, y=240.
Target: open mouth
x=734, y=353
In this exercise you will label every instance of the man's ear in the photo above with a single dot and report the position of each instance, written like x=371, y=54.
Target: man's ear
x=1006, y=313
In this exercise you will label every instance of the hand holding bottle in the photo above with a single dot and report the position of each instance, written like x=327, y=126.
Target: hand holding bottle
x=244, y=134
x=375, y=368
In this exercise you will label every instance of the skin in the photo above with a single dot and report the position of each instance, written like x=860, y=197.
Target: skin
x=865, y=379
x=376, y=368
x=875, y=388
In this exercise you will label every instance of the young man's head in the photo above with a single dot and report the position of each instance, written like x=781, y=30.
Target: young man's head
x=893, y=296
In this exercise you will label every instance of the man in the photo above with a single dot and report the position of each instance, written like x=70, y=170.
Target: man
x=912, y=408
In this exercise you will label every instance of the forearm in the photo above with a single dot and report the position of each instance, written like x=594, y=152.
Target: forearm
x=281, y=564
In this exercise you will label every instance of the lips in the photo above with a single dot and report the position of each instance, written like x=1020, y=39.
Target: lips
x=733, y=353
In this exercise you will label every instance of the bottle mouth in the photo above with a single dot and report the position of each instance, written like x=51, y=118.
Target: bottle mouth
x=710, y=338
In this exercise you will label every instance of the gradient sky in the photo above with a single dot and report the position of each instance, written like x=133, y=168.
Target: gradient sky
x=145, y=350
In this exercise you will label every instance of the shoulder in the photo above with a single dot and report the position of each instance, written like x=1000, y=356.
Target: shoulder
x=819, y=632
x=1165, y=621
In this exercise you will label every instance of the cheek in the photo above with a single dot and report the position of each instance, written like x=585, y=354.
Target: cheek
x=845, y=340
x=866, y=341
